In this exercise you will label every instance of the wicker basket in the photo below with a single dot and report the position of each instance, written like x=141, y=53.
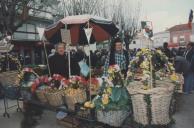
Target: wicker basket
x=9, y=78
x=41, y=96
x=112, y=118
x=78, y=97
x=160, y=98
x=55, y=99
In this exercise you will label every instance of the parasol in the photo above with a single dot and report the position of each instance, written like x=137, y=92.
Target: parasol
x=103, y=29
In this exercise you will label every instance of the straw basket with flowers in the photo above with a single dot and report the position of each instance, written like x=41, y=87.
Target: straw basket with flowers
x=112, y=103
x=55, y=93
x=76, y=91
x=151, y=99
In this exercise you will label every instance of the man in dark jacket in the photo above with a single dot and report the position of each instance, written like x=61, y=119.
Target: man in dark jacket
x=59, y=62
x=189, y=78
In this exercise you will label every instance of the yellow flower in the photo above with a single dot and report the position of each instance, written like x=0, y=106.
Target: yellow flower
x=174, y=77
x=145, y=87
x=89, y=104
x=105, y=99
x=145, y=65
x=109, y=90
x=144, y=50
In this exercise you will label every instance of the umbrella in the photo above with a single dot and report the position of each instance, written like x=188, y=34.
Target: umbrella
x=103, y=29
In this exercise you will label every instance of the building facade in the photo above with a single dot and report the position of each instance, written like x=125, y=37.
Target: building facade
x=180, y=34
x=27, y=43
x=160, y=38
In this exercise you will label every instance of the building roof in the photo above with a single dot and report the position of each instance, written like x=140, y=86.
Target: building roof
x=181, y=27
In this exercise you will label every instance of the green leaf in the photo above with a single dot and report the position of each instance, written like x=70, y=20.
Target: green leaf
x=125, y=93
x=116, y=94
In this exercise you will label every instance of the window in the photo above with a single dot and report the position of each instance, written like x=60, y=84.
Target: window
x=181, y=39
x=26, y=32
x=175, y=39
x=31, y=28
x=192, y=38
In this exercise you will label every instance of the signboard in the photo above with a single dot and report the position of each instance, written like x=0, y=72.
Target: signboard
x=88, y=32
x=66, y=36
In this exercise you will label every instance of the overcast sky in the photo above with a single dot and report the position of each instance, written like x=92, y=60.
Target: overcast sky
x=166, y=13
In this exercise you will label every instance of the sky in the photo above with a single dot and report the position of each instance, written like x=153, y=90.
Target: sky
x=166, y=13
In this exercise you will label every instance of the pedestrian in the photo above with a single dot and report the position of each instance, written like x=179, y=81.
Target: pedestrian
x=117, y=56
x=189, y=77
x=166, y=50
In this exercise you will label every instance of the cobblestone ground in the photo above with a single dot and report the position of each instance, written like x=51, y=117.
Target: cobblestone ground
x=184, y=116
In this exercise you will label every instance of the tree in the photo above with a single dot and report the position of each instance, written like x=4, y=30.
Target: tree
x=78, y=7
x=13, y=13
x=126, y=15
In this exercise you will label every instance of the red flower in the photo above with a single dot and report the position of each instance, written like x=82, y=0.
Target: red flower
x=27, y=70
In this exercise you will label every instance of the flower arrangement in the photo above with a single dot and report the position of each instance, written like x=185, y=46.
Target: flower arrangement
x=149, y=64
x=112, y=96
x=38, y=82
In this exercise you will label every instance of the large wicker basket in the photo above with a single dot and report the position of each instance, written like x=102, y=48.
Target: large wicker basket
x=78, y=97
x=9, y=78
x=159, y=106
x=112, y=118
x=55, y=98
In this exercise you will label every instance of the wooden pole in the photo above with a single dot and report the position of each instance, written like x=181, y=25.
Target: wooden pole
x=47, y=58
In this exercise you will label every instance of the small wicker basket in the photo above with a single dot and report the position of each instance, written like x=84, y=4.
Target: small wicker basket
x=160, y=98
x=112, y=118
x=78, y=97
x=55, y=98
x=41, y=96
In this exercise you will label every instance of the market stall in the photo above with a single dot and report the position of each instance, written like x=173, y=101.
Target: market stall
x=145, y=95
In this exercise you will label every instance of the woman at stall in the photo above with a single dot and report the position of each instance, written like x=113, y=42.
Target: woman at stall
x=59, y=61
x=117, y=55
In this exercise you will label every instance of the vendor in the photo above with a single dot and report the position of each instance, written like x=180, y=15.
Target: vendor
x=59, y=61
x=117, y=56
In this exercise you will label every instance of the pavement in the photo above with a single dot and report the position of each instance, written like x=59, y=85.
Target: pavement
x=184, y=116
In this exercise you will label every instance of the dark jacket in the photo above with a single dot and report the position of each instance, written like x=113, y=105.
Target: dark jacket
x=59, y=65
x=167, y=52
x=190, y=58
x=189, y=55
x=181, y=65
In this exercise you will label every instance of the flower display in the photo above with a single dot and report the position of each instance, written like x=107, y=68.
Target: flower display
x=113, y=94
x=149, y=63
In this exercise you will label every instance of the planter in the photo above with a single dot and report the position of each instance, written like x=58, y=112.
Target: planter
x=151, y=107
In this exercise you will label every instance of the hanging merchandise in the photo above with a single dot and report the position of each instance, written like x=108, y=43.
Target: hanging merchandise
x=84, y=68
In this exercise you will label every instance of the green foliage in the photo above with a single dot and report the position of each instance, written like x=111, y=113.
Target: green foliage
x=118, y=100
